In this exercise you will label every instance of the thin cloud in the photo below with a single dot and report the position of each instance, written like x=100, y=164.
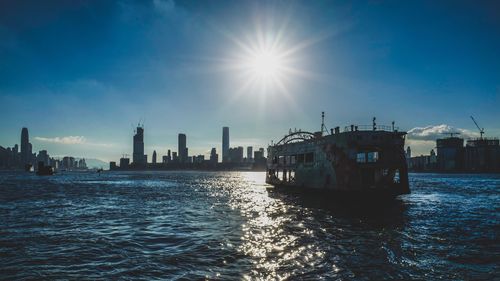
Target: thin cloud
x=433, y=132
x=64, y=140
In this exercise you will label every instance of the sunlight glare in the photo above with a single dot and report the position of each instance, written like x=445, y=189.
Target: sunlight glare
x=266, y=63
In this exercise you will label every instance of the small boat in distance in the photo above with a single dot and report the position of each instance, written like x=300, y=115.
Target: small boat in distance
x=44, y=170
x=361, y=161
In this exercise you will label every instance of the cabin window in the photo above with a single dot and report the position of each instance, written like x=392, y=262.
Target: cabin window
x=309, y=157
x=372, y=157
x=292, y=159
x=361, y=157
x=281, y=160
x=300, y=158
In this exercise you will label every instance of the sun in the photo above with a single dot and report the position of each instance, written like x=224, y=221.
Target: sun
x=266, y=64
x=268, y=61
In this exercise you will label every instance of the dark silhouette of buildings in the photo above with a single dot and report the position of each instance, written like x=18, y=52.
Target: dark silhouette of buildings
x=26, y=148
x=214, y=157
x=482, y=155
x=138, y=157
x=479, y=155
x=235, y=155
x=450, y=153
x=43, y=157
x=167, y=158
x=124, y=162
x=225, y=144
x=182, y=149
x=181, y=159
x=25, y=159
x=249, y=154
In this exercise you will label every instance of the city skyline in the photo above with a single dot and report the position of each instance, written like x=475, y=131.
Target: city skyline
x=81, y=85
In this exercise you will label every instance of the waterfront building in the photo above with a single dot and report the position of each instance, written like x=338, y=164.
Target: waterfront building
x=32, y=156
x=235, y=155
x=262, y=151
x=198, y=159
x=423, y=163
x=182, y=149
x=68, y=163
x=214, y=157
x=26, y=148
x=482, y=155
x=124, y=162
x=4, y=156
x=408, y=156
x=419, y=163
x=257, y=155
x=138, y=157
x=43, y=157
x=225, y=144
x=154, y=156
x=433, y=158
x=249, y=153
x=175, y=158
x=450, y=154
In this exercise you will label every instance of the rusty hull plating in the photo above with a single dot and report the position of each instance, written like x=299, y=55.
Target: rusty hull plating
x=361, y=160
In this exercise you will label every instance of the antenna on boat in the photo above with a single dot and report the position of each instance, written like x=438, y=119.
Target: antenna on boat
x=323, y=128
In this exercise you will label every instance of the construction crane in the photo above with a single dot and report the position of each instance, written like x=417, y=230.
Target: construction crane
x=481, y=131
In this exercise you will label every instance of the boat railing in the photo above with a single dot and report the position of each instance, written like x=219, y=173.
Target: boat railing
x=386, y=128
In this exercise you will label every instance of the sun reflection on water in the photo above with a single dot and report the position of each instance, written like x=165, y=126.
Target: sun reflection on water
x=271, y=234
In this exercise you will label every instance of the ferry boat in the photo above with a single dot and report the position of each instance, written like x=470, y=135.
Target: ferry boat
x=359, y=161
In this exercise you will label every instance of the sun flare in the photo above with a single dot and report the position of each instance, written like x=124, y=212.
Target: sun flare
x=266, y=64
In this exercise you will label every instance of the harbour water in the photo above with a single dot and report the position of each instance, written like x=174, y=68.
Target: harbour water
x=227, y=225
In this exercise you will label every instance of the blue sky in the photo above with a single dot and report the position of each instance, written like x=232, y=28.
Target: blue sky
x=79, y=74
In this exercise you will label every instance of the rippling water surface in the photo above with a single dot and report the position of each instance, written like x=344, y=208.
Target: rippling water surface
x=195, y=225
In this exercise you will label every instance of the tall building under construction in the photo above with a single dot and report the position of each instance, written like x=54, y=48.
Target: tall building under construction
x=138, y=157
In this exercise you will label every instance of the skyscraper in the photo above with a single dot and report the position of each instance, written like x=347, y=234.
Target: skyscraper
x=249, y=153
x=25, y=147
x=154, y=156
x=225, y=144
x=138, y=154
x=182, y=149
x=214, y=157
